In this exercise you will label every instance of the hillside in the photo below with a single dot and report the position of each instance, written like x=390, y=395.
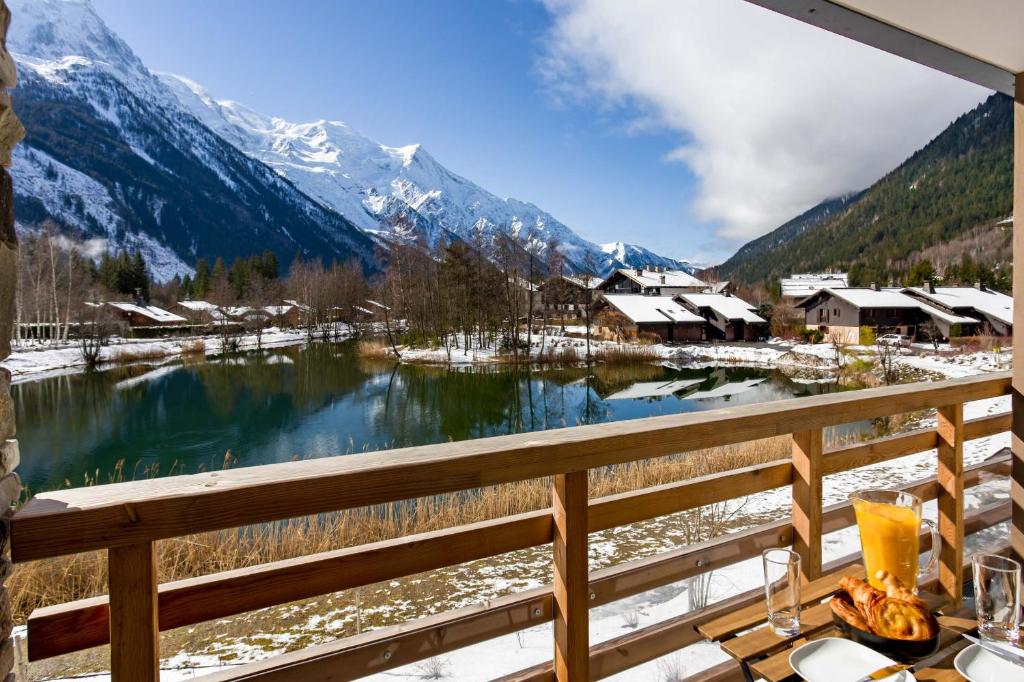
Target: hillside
x=953, y=191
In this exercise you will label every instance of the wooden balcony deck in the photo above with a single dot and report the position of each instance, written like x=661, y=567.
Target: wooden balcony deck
x=127, y=518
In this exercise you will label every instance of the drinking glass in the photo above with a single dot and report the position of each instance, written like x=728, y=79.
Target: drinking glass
x=997, y=597
x=782, y=590
x=889, y=522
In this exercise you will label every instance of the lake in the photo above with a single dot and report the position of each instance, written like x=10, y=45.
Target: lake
x=322, y=399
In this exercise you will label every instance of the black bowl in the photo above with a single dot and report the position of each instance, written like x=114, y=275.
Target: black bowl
x=903, y=650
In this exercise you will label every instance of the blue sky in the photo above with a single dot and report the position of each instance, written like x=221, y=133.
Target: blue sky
x=460, y=77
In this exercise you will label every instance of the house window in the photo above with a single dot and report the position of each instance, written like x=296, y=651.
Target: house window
x=835, y=311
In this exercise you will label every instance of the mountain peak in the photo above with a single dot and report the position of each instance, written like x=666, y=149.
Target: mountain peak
x=52, y=30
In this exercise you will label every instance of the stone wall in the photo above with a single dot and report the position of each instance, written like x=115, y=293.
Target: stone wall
x=11, y=133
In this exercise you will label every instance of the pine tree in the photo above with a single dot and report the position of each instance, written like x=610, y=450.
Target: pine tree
x=201, y=284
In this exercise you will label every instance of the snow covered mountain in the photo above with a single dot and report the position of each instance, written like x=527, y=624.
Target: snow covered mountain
x=154, y=161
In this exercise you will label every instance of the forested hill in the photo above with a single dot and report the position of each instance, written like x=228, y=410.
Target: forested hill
x=942, y=202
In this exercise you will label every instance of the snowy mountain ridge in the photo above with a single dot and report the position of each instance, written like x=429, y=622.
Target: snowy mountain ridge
x=345, y=190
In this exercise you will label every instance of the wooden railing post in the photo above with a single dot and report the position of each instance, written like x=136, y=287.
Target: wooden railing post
x=950, y=476
x=571, y=587
x=134, y=629
x=807, y=450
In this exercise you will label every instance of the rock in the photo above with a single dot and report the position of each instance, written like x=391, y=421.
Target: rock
x=6, y=406
x=10, y=456
x=11, y=130
x=8, y=282
x=10, y=491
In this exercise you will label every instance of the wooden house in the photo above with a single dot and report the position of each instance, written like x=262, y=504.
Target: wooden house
x=630, y=315
x=729, y=317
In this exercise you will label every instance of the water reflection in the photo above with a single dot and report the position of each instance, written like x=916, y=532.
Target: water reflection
x=323, y=400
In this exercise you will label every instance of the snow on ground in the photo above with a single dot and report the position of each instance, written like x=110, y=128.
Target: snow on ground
x=30, y=362
x=510, y=653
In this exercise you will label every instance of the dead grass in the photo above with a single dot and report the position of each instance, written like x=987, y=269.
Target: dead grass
x=624, y=355
x=197, y=347
x=375, y=349
x=128, y=356
x=63, y=579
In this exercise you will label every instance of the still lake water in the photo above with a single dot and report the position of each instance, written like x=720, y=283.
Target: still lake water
x=322, y=400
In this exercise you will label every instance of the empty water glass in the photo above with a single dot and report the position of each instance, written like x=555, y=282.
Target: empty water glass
x=782, y=590
x=997, y=597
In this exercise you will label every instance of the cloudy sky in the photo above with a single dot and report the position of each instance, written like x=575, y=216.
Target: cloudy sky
x=689, y=126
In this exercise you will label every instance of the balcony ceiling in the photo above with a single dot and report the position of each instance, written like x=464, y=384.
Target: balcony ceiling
x=978, y=40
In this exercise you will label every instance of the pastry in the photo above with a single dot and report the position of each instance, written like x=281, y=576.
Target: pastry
x=896, y=613
x=844, y=607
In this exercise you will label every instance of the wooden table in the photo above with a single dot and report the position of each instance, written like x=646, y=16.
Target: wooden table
x=761, y=653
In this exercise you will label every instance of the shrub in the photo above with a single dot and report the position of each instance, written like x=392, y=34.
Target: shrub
x=867, y=336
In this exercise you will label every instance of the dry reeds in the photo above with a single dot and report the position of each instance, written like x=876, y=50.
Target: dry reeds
x=375, y=349
x=63, y=579
x=129, y=356
x=628, y=354
x=197, y=347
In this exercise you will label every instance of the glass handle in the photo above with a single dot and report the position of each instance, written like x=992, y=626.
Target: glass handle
x=933, y=558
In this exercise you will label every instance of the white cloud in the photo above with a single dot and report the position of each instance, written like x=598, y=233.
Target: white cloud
x=773, y=115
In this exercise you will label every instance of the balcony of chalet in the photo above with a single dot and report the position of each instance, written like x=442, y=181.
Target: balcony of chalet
x=127, y=519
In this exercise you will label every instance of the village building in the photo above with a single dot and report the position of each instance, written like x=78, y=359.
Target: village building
x=991, y=311
x=629, y=315
x=729, y=317
x=656, y=282
x=797, y=287
x=283, y=315
x=199, y=312
x=842, y=313
x=140, y=316
x=567, y=294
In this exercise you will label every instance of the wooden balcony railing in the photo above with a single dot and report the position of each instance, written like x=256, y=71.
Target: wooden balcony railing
x=127, y=518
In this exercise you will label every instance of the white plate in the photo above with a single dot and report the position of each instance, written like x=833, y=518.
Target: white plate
x=978, y=665
x=834, y=659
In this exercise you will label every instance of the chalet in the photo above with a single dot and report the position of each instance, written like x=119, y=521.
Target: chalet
x=137, y=315
x=729, y=317
x=797, y=287
x=841, y=313
x=662, y=316
x=199, y=312
x=991, y=310
x=283, y=315
x=657, y=282
x=567, y=294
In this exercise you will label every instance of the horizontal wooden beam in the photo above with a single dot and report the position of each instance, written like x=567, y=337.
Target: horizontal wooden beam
x=82, y=519
x=364, y=654
x=73, y=626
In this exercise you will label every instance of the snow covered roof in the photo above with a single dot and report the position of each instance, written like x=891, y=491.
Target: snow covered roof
x=726, y=390
x=592, y=283
x=300, y=306
x=653, y=389
x=651, y=309
x=718, y=287
x=363, y=310
x=236, y=311
x=729, y=307
x=152, y=312
x=197, y=306
x=277, y=310
x=672, y=278
x=806, y=284
x=949, y=318
x=985, y=301
x=866, y=297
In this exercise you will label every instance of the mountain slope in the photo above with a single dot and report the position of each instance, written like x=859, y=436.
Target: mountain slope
x=959, y=182
x=398, y=192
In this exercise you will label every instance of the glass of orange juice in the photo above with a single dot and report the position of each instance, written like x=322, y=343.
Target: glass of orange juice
x=890, y=522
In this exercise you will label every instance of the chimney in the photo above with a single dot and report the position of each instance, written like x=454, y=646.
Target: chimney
x=139, y=301
x=875, y=287
x=929, y=285
x=979, y=286
x=639, y=271
x=662, y=278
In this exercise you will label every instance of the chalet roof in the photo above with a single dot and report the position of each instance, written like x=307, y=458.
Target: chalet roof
x=672, y=278
x=865, y=297
x=198, y=306
x=985, y=301
x=592, y=283
x=149, y=311
x=806, y=284
x=729, y=307
x=651, y=309
x=277, y=310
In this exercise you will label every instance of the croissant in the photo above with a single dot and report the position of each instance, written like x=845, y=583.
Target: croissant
x=895, y=588
x=843, y=606
x=891, y=616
